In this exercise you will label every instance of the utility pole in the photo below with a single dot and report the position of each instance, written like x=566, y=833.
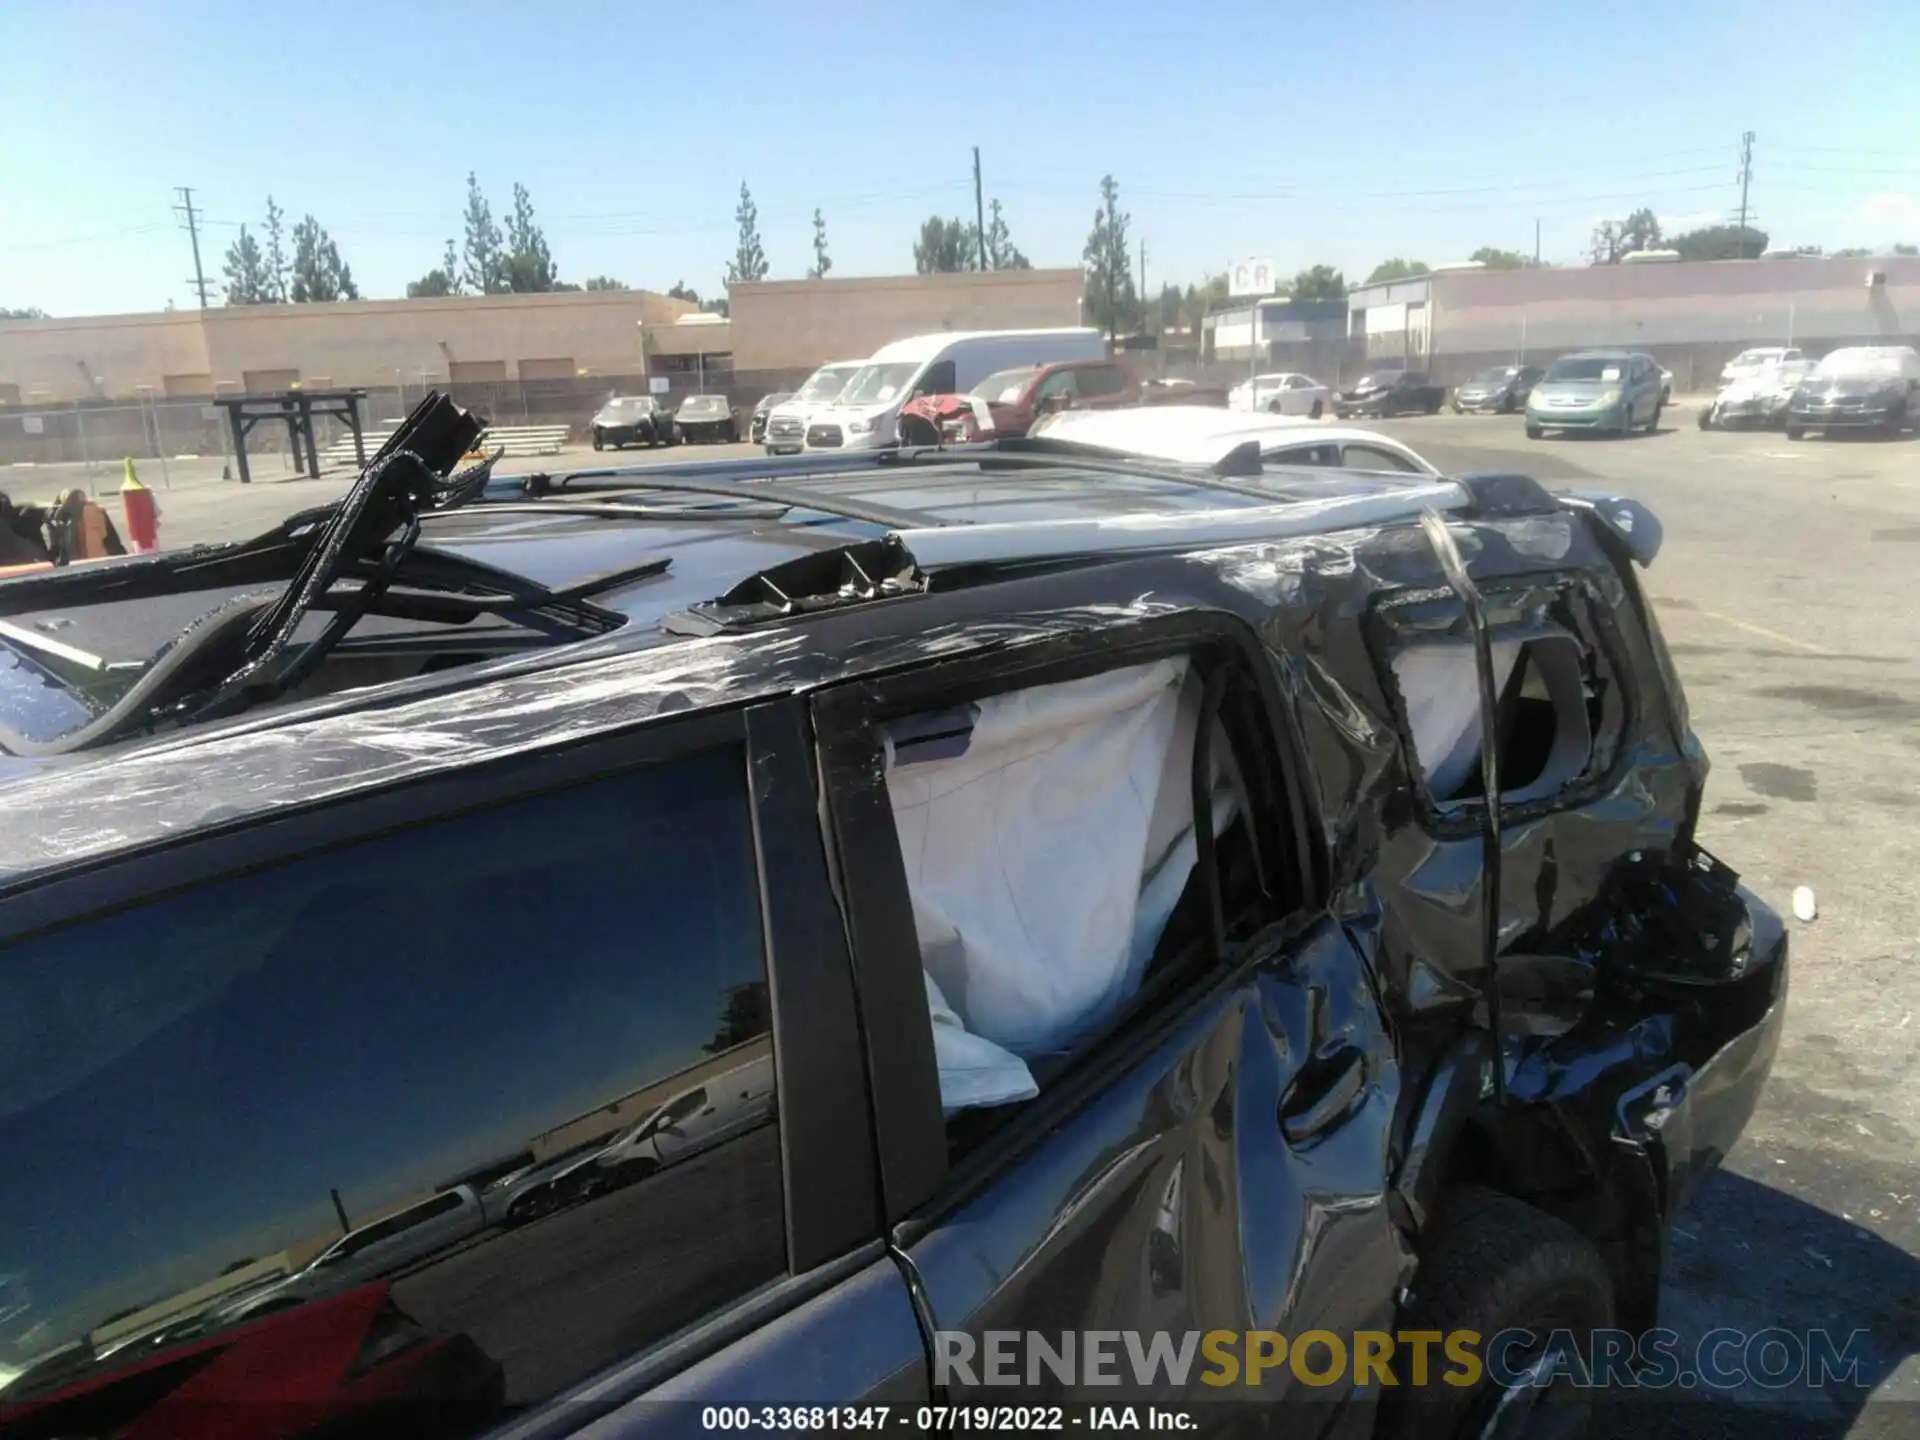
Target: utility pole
x=1746, y=178
x=979, y=209
x=1143, y=270
x=1536, y=241
x=185, y=209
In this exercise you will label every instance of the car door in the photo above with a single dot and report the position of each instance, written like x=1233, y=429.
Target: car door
x=1214, y=1158
x=324, y=1017
x=683, y=1126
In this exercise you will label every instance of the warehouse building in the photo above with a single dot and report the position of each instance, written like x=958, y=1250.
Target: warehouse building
x=76, y=390
x=1692, y=317
x=778, y=328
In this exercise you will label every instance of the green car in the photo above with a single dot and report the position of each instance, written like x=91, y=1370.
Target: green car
x=1612, y=391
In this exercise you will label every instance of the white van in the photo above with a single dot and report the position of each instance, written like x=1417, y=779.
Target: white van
x=787, y=421
x=697, y=1119
x=867, y=414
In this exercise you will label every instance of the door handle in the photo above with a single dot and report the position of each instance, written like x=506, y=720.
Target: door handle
x=1323, y=1095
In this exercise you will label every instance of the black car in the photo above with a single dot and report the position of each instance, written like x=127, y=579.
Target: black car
x=1391, y=392
x=1874, y=388
x=1500, y=390
x=631, y=420
x=706, y=418
x=1137, y=938
x=757, y=425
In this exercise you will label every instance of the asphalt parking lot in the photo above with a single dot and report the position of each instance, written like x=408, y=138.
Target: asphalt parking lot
x=1786, y=592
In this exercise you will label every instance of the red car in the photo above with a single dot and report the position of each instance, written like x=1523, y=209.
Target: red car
x=353, y=1363
x=1007, y=402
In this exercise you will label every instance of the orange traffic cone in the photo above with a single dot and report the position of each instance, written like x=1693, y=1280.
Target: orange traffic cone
x=143, y=513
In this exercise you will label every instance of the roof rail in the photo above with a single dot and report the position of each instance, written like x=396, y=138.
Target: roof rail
x=1002, y=543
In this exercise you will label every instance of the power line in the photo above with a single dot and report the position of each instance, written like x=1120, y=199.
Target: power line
x=192, y=217
x=89, y=238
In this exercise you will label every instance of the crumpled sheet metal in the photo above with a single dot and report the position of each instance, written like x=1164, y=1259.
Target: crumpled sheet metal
x=1309, y=599
x=94, y=807
x=1324, y=591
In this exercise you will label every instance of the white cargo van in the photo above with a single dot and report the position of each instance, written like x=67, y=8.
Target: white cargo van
x=787, y=421
x=867, y=414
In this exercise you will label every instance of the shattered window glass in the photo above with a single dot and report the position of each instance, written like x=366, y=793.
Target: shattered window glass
x=1545, y=713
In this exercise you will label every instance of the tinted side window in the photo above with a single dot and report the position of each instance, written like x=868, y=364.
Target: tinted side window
x=1372, y=457
x=1324, y=454
x=1060, y=382
x=937, y=381
x=198, y=1096
x=1101, y=380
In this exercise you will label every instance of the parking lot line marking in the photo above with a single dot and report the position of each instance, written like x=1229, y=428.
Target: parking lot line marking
x=1764, y=633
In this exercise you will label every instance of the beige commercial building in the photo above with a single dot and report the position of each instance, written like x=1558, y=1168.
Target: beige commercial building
x=369, y=343
x=588, y=341
x=1691, y=316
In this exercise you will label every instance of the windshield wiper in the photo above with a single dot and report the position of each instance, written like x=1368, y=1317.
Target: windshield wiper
x=235, y=656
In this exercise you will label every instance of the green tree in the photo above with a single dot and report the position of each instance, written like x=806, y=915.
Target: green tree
x=1641, y=230
x=748, y=1015
x=1613, y=239
x=1201, y=299
x=483, y=269
x=319, y=274
x=528, y=264
x=279, y=268
x=246, y=268
x=1852, y=252
x=1396, y=269
x=1321, y=282
x=1111, y=303
x=1002, y=253
x=1721, y=242
x=1496, y=259
x=1168, y=309
x=945, y=247
x=682, y=291
x=749, y=259
x=25, y=312
x=432, y=285
x=1906, y=249
x=606, y=282
x=822, y=263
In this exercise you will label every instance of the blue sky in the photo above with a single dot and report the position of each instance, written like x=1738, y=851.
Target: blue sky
x=1339, y=133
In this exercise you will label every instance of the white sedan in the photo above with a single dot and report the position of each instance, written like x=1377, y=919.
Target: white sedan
x=1284, y=393
x=1205, y=434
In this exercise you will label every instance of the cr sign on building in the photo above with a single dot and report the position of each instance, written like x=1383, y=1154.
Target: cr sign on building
x=1251, y=277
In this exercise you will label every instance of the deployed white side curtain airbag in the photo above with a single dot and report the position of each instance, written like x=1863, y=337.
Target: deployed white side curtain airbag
x=1440, y=687
x=1047, y=834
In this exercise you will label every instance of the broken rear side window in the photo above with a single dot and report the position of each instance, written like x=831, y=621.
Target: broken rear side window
x=1558, y=704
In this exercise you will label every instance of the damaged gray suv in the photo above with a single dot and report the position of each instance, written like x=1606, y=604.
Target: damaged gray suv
x=1016, y=888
